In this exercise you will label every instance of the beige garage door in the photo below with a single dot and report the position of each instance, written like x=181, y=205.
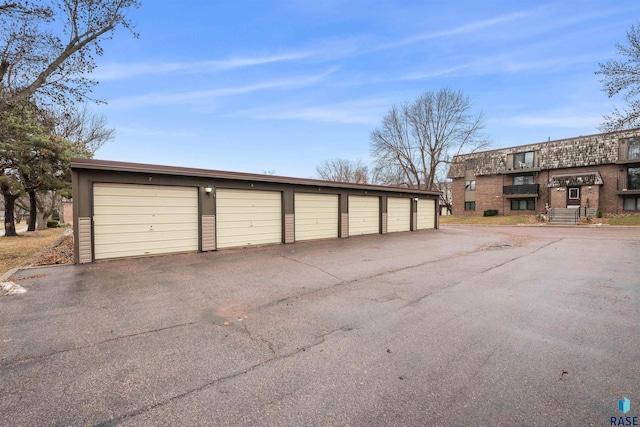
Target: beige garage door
x=426, y=214
x=248, y=217
x=364, y=215
x=134, y=220
x=398, y=214
x=316, y=216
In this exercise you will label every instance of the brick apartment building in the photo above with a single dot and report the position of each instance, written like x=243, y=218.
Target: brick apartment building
x=596, y=172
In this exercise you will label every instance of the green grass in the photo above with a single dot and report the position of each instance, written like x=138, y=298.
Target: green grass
x=625, y=220
x=488, y=220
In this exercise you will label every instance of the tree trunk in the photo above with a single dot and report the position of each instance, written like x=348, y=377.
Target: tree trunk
x=32, y=211
x=60, y=203
x=46, y=204
x=42, y=220
x=9, y=206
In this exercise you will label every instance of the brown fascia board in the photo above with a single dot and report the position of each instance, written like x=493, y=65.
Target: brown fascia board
x=109, y=165
x=545, y=142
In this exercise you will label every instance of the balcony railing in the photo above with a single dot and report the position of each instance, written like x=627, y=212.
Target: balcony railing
x=521, y=189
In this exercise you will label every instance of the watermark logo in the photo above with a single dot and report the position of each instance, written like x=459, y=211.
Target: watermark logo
x=624, y=406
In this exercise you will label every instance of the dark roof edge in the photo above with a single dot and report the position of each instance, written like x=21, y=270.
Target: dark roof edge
x=109, y=165
x=549, y=142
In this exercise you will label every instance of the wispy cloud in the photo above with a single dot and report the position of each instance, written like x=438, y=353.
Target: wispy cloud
x=362, y=111
x=327, y=50
x=463, y=29
x=520, y=61
x=173, y=98
x=115, y=71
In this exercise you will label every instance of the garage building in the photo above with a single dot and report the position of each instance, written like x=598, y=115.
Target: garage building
x=130, y=209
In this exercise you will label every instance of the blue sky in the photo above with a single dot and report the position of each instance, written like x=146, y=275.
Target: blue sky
x=257, y=86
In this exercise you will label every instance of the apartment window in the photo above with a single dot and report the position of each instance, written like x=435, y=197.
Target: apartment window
x=470, y=185
x=632, y=204
x=633, y=178
x=523, y=179
x=523, y=160
x=634, y=148
x=523, y=204
x=469, y=206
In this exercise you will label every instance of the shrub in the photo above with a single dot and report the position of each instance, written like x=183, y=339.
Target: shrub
x=490, y=212
x=52, y=223
x=599, y=214
x=55, y=215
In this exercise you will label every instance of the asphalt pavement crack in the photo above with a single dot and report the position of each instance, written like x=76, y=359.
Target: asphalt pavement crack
x=96, y=344
x=313, y=266
x=284, y=396
x=320, y=339
x=344, y=281
x=423, y=297
x=253, y=337
x=521, y=256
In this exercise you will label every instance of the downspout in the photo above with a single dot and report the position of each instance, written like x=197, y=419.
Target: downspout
x=503, y=213
x=548, y=192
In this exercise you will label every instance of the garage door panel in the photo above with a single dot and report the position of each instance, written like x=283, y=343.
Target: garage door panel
x=140, y=249
x=135, y=211
x=398, y=214
x=123, y=220
x=426, y=214
x=130, y=203
x=364, y=215
x=134, y=220
x=141, y=237
x=263, y=204
x=241, y=217
x=250, y=240
x=145, y=227
x=244, y=221
x=248, y=217
x=133, y=191
x=242, y=230
x=316, y=216
x=319, y=222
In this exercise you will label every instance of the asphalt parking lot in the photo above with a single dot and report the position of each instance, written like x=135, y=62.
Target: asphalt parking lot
x=459, y=326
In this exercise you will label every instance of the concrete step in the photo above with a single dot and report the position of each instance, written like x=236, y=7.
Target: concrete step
x=563, y=216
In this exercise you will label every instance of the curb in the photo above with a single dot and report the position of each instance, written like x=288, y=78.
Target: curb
x=6, y=276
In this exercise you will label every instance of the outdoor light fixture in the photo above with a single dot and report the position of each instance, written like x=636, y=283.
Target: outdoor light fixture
x=416, y=199
x=207, y=189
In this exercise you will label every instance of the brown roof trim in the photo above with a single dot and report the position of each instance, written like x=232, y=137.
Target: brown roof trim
x=108, y=165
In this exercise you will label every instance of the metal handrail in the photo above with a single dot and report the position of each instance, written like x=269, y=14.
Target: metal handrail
x=576, y=214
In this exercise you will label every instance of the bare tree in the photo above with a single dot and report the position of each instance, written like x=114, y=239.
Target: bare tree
x=417, y=140
x=623, y=76
x=24, y=7
x=47, y=48
x=343, y=170
x=87, y=130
